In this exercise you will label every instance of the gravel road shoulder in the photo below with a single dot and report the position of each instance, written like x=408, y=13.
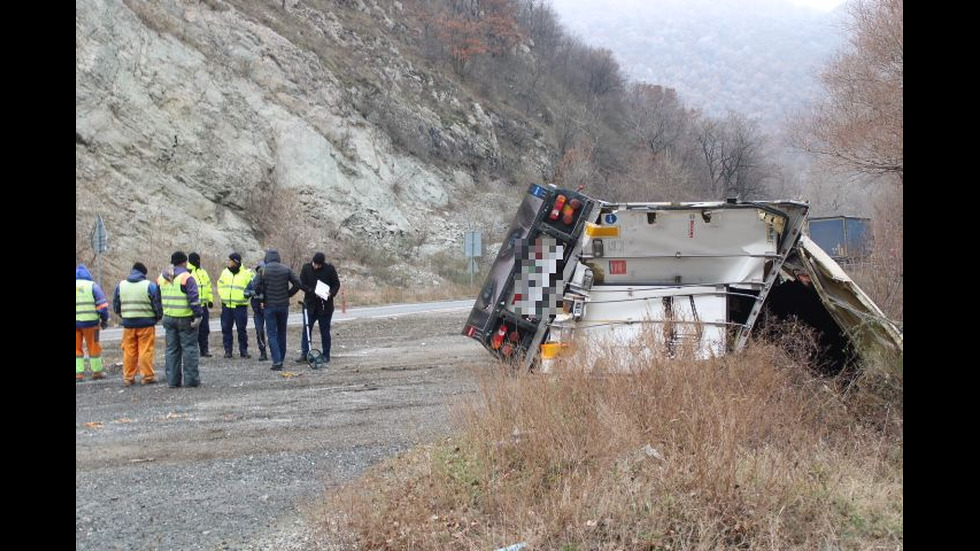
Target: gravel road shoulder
x=232, y=463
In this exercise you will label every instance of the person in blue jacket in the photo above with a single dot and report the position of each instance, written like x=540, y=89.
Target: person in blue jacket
x=91, y=314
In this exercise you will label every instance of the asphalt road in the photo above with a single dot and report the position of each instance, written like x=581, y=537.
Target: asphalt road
x=114, y=334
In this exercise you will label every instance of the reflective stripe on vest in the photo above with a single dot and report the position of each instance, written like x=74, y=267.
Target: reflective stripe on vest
x=85, y=301
x=135, y=299
x=175, y=302
x=231, y=287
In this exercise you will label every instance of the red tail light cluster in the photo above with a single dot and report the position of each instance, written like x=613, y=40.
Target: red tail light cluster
x=556, y=210
x=569, y=210
x=565, y=209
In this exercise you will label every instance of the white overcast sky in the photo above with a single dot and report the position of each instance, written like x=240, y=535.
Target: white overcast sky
x=821, y=5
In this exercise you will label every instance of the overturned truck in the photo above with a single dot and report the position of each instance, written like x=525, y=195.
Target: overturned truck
x=691, y=276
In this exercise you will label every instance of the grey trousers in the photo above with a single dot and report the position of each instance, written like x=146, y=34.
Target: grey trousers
x=183, y=352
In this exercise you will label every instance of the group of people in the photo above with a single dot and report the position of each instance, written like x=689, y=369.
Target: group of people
x=182, y=297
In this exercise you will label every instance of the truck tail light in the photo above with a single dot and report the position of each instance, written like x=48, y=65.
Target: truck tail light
x=498, y=337
x=556, y=210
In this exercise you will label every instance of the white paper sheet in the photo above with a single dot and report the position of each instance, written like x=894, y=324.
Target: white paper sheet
x=322, y=290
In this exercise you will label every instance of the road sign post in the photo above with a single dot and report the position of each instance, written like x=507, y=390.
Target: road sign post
x=473, y=249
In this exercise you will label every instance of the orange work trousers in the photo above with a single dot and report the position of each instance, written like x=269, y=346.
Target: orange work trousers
x=91, y=338
x=137, y=346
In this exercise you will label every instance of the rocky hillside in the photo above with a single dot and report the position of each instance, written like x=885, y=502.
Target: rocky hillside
x=236, y=125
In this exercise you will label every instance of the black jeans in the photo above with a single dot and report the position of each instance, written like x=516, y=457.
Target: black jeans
x=239, y=317
x=204, y=331
x=258, y=316
x=323, y=316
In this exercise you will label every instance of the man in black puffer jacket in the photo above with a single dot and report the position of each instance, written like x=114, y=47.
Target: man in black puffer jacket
x=275, y=285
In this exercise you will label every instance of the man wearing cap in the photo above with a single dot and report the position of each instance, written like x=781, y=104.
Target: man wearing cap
x=203, y=280
x=137, y=302
x=181, y=315
x=317, y=308
x=234, y=305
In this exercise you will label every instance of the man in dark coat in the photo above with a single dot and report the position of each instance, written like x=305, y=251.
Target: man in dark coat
x=317, y=308
x=275, y=285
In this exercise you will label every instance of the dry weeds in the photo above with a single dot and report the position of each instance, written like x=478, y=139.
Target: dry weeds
x=744, y=451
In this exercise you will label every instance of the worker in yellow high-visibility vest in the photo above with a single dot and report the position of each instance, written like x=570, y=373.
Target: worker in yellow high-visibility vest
x=181, y=316
x=91, y=313
x=234, y=304
x=203, y=280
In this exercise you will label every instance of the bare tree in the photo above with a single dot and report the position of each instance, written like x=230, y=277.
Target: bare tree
x=527, y=84
x=655, y=118
x=859, y=128
x=541, y=22
x=731, y=154
x=860, y=125
x=569, y=124
x=661, y=178
x=602, y=72
x=577, y=168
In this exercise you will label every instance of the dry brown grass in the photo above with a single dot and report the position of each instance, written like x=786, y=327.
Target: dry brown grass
x=744, y=451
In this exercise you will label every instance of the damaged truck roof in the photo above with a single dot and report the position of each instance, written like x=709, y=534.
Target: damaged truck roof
x=697, y=276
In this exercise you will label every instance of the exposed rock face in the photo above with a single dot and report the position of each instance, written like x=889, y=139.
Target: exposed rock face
x=193, y=121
